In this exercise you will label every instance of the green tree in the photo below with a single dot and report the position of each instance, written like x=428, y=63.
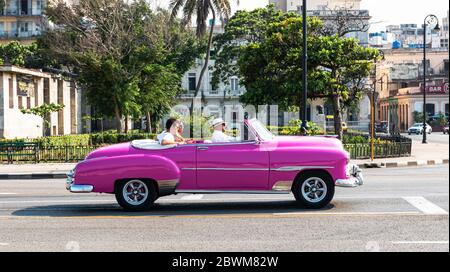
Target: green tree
x=17, y=54
x=202, y=9
x=270, y=66
x=109, y=44
x=245, y=27
x=44, y=112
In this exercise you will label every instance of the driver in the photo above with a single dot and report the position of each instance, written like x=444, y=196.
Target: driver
x=218, y=135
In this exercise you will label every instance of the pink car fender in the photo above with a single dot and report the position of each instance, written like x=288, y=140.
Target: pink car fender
x=102, y=173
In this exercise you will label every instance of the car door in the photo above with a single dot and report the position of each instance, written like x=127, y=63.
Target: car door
x=232, y=166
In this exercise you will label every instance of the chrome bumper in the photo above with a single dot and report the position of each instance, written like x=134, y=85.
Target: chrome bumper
x=75, y=188
x=355, y=179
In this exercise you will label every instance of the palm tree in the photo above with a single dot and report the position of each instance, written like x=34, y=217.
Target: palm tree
x=202, y=9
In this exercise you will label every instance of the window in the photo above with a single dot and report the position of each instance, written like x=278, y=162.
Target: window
x=212, y=90
x=430, y=110
x=11, y=93
x=192, y=78
x=234, y=85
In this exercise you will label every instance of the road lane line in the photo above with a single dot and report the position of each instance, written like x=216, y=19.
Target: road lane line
x=4, y=244
x=8, y=194
x=425, y=206
x=346, y=213
x=419, y=242
x=192, y=197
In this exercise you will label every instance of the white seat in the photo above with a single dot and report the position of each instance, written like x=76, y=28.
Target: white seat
x=150, y=145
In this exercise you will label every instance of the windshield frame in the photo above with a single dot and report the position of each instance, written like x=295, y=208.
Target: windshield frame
x=260, y=130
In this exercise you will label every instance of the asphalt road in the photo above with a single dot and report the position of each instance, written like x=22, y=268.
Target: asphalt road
x=435, y=137
x=401, y=209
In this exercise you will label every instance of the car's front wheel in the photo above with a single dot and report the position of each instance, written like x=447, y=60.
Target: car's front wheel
x=313, y=190
x=135, y=194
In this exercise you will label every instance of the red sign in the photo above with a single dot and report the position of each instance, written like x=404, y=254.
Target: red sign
x=438, y=89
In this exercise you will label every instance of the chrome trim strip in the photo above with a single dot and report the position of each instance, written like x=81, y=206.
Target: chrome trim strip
x=228, y=192
x=300, y=168
x=219, y=144
x=228, y=169
x=281, y=186
x=168, y=184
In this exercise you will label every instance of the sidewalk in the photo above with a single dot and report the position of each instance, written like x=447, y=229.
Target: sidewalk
x=429, y=154
x=422, y=154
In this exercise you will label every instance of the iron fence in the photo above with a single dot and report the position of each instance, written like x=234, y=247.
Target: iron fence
x=33, y=152
x=382, y=150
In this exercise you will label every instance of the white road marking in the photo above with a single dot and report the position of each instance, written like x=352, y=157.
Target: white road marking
x=8, y=194
x=419, y=242
x=192, y=197
x=4, y=244
x=347, y=213
x=425, y=206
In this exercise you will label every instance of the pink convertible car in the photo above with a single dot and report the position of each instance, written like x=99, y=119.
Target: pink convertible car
x=140, y=172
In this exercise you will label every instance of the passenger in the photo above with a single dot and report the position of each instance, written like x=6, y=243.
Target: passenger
x=170, y=135
x=218, y=135
x=179, y=127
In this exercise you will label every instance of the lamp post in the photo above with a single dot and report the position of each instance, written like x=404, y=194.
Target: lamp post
x=433, y=22
x=304, y=96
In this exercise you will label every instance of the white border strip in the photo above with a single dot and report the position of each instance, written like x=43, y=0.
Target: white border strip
x=420, y=242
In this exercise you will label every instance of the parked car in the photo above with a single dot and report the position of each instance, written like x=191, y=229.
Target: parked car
x=417, y=128
x=140, y=172
x=382, y=127
x=445, y=130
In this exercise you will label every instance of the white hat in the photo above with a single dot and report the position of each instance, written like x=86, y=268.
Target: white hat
x=217, y=121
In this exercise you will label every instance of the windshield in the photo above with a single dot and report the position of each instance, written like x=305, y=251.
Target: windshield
x=261, y=130
x=418, y=125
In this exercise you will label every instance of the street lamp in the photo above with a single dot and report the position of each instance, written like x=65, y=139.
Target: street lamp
x=433, y=22
x=303, y=110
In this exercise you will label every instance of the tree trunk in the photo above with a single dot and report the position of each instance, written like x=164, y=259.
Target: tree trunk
x=118, y=118
x=337, y=116
x=148, y=123
x=127, y=118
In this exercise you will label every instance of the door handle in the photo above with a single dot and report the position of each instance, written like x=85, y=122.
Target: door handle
x=202, y=148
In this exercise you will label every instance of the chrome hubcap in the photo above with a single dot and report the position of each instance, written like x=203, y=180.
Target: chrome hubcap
x=314, y=189
x=135, y=192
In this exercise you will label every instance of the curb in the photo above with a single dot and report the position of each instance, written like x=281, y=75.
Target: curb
x=403, y=164
x=59, y=175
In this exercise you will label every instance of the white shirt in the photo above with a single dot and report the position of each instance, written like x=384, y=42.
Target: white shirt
x=220, y=137
x=165, y=136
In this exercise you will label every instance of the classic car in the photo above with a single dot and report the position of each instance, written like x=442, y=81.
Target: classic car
x=140, y=172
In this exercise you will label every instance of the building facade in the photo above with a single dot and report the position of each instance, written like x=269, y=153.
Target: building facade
x=21, y=20
x=444, y=33
x=400, y=85
x=24, y=89
x=405, y=36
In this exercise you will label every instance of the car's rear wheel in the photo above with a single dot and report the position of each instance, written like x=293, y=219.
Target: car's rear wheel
x=313, y=190
x=135, y=194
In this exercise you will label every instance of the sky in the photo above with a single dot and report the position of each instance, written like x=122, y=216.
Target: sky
x=385, y=12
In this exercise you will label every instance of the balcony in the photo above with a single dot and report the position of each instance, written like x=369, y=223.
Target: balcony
x=17, y=35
